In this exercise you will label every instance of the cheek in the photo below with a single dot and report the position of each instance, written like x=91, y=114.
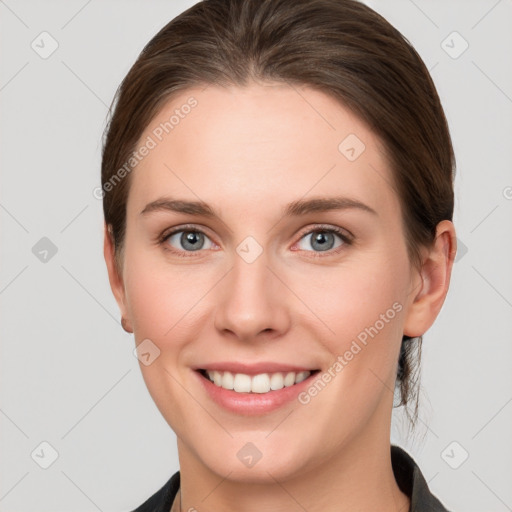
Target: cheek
x=349, y=299
x=362, y=307
x=364, y=313
x=163, y=299
x=154, y=304
x=166, y=313
x=164, y=306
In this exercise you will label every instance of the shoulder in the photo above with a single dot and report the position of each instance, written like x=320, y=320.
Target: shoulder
x=412, y=482
x=162, y=500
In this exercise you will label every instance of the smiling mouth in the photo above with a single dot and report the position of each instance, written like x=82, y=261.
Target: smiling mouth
x=261, y=383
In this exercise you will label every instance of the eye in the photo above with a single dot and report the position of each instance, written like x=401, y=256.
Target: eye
x=323, y=239
x=185, y=240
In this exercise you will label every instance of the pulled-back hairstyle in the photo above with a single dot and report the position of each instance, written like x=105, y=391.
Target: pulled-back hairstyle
x=339, y=47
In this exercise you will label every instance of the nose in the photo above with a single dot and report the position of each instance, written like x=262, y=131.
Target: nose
x=254, y=302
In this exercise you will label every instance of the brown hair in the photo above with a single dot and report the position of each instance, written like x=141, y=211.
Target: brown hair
x=340, y=47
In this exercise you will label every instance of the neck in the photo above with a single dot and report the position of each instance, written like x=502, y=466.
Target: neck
x=357, y=476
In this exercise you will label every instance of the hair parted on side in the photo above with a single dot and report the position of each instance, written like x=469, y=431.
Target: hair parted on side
x=340, y=47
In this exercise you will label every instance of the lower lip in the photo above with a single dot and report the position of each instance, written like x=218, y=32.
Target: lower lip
x=253, y=403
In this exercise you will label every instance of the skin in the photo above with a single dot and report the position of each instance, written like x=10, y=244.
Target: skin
x=248, y=152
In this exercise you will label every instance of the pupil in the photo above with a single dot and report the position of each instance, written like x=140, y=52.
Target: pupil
x=322, y=240
x=191, y=240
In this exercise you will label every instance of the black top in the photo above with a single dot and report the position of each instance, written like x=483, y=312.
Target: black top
x=407, y=474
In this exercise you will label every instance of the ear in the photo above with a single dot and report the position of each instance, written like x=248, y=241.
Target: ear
x=115, y=278
x=434, y=279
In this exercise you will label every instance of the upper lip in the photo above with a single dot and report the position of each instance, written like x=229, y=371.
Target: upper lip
x=253, y=368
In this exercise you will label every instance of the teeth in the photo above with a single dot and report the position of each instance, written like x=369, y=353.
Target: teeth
x=301, y=376
x=276, y=381
x=261, y=383
x=226, y=380
x=242, y=383
x=289, y=380
x=218, y=380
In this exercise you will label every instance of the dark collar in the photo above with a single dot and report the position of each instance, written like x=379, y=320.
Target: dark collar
x=412, y=483
x=407, y=474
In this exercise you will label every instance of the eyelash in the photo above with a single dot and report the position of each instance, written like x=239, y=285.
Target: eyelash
x=346, y=239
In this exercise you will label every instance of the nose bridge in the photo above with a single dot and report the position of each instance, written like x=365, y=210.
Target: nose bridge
x=250, y=274
x=252, y=298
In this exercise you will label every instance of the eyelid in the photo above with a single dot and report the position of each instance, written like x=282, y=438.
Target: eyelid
x=183, y=227
x=342, y=232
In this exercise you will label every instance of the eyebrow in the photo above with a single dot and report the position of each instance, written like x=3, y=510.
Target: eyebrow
x=293, y=209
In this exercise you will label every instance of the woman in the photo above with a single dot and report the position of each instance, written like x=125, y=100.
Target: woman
x=278, y=181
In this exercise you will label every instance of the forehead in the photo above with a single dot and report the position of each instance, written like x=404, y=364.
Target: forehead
x=271, y=143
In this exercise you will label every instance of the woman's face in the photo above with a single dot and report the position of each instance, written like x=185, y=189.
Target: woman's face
x=260, y=282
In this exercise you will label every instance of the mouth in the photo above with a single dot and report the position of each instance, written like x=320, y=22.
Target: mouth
x=262, y=383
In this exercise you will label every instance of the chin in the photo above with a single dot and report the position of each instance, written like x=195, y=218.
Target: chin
x=255, y=458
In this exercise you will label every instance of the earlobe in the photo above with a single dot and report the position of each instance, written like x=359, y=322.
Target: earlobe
x=115, y=278
x=428, y=297
x=127, y=326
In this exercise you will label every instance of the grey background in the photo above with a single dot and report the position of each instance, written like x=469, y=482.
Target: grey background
x=68, y=374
